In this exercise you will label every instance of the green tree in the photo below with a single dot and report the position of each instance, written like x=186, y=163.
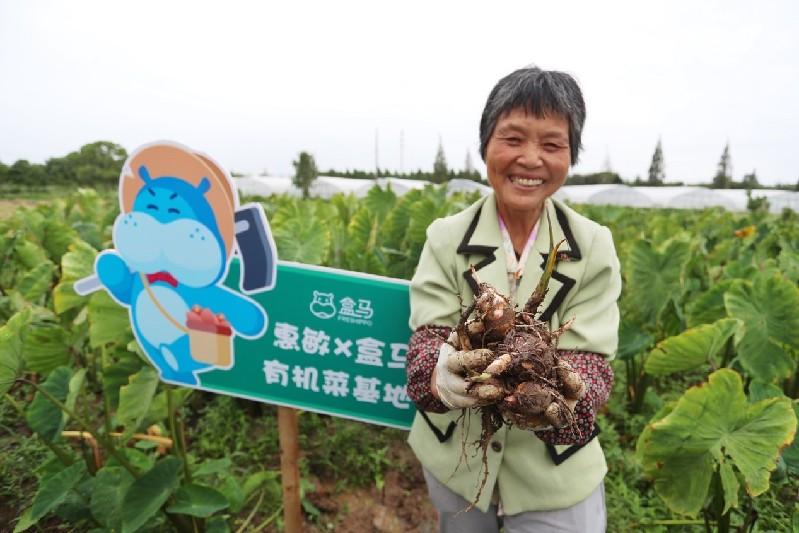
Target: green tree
x=469, y=172
x=657, y=170
x=723, y=177
x=596, y=177
x=24, y=173
x=440, y=170
x=97, y=163
x=750, y=180
x=305, y=172
x=3, y=173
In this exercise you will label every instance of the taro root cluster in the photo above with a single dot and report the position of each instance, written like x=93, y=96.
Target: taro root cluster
x=511, y=363
x=510, y=360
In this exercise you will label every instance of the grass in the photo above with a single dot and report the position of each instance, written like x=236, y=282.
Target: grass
x=22, y=452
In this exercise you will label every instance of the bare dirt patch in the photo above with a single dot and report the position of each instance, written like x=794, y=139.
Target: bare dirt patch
x=8, y=207
x=401, y=505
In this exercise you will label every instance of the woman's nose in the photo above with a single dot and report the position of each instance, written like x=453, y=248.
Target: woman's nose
x=530, y=156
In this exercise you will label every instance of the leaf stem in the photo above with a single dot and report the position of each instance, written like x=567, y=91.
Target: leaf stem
x=176, y=430
x=102, y=439
x=250, y=516
x=106, y=398
x=62, y=455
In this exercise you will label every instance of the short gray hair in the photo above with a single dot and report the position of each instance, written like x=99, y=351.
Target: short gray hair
x=539, y=92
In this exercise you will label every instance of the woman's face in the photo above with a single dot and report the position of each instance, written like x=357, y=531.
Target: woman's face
x=527, y=159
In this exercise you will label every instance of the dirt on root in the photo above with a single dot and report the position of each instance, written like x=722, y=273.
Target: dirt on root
x=401, y=506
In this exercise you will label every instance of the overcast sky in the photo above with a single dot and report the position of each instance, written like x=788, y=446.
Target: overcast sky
x=253, y=83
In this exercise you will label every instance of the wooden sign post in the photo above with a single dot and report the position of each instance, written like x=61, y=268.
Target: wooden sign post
x=288, y=427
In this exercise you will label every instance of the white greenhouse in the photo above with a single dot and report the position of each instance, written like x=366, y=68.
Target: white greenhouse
x=604, y=194
x=684, y=197
x=466, y=186
x=676, y=197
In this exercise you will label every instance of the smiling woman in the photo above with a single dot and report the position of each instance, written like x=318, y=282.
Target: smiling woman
x=545, y=478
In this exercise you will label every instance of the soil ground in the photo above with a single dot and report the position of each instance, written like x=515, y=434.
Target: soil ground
x=401, y=506
x=7, y=207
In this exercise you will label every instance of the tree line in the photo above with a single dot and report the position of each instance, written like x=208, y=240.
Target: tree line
x=722, y=179
x=94, y=164
x=99, y=164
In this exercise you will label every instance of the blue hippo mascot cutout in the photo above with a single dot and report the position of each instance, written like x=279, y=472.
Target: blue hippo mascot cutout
x=173, y=242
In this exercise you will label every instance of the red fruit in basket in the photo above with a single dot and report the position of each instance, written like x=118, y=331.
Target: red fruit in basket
x=207, y=316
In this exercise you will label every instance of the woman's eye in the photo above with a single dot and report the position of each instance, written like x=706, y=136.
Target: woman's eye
x=513, y=140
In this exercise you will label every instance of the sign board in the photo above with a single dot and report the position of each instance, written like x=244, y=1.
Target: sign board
x=198, y=274
x=335, y=343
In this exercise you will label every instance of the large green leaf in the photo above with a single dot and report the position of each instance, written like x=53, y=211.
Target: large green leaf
x=11, y=343
x=108, y=321
x=46, y=343
x=713, y=424
x=74, y=388
x=759, y=390
x=77, y=263
x=117, y=374
x=198, y=500
x=396, y=223
x=148, y=493
x=791, y=454
x=632, y=340
x=769, y=310
x=654, y=277
x=30, y=255
x=111, y=484
x=380, y=201
x=54, y=489
x=56, y=238
x=691, y=348
x=135, y=399
x=158, y=407
x=43, y=416
x=708, y=306
x=36, y=282
x=301, y=236
x=212, y=467
x=362, y=253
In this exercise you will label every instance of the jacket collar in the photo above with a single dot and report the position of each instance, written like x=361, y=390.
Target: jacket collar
x=483, y=235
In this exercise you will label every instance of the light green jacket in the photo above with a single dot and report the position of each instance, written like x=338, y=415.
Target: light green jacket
x=585, y=286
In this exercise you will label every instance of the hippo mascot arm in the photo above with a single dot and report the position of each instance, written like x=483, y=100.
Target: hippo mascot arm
x=115, y=276
x=245, y=316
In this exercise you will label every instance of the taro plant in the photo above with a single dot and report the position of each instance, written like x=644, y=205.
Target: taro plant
x=704, y=448
x=652, y=307
x=98, y=479
x=68, y=366
x=758, y=337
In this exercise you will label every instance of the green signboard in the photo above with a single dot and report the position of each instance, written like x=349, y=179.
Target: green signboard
x=335, y=343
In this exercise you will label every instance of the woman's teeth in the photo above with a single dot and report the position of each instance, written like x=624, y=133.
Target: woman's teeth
x=526, y=182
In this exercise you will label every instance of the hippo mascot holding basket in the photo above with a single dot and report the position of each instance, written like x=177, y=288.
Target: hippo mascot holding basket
x=173, y=242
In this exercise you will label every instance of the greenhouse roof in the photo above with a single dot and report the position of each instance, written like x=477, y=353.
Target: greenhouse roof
x=679, y=197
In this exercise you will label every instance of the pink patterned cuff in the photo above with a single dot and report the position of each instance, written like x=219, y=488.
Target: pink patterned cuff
x=595, y=370
x=421, y=360
x=598, y=377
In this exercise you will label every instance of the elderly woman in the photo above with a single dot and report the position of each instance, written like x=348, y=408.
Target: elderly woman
x=547, y=479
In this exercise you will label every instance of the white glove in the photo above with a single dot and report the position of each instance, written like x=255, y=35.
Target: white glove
x=451, y=387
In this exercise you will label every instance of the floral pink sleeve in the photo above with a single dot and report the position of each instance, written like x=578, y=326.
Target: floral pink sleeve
x=594, y=368
x=598, y=377
x=421, y=359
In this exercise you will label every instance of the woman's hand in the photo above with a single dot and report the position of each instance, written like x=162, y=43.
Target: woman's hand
x=447, y=386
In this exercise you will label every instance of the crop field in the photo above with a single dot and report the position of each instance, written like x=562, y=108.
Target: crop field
x=698, y=432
